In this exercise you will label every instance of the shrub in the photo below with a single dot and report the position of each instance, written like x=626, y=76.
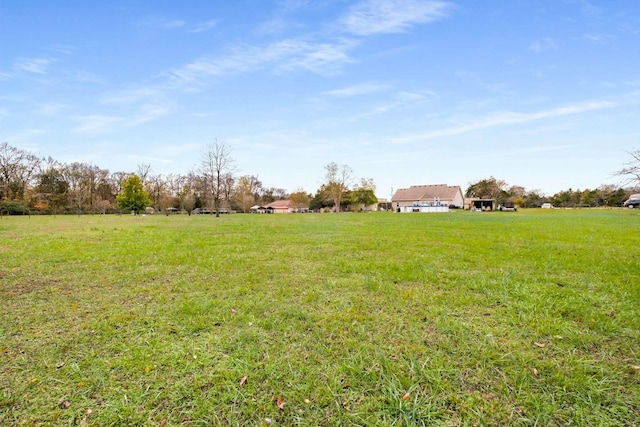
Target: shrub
x=13, y=208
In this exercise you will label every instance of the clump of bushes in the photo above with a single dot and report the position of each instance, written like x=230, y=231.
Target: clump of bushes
x=13, y=208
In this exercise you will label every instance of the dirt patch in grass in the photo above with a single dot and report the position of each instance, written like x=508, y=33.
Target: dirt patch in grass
x=29, y=284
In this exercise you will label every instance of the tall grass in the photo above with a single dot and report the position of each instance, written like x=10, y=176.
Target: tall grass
x=527, y=318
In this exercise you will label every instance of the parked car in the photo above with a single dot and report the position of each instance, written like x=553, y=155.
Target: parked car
x=508, y=206
x=632, y=202
x=547, y=206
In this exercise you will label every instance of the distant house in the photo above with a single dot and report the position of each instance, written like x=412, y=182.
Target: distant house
x=279, y=206
x=427, y=198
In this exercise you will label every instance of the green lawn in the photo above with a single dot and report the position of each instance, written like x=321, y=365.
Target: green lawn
x=526, y=318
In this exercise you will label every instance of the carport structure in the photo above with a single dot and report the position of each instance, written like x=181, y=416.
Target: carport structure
x=482, y=204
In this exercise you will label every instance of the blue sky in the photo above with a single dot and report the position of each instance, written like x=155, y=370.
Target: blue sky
x=543, y=94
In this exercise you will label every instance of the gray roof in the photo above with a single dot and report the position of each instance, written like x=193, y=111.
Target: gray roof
x=426, y=193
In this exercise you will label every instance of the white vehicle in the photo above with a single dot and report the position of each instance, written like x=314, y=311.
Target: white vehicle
x=547, y=206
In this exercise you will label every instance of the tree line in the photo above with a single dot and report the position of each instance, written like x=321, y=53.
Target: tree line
x=503, y=193
x=30, y=183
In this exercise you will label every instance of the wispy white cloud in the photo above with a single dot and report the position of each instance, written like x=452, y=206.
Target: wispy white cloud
x=589, y=9
x=96, y=124
x=596, y=38
x=50, y=109
x=359, y=89
x=407, y=97
x=204, y=115
x=149, y=112
x=147, y=159
x=24, y=136
x=629, y=28
x=62, y=49
x=202, y=27
x=131, y=96
x=546, y=43
x=508, y=118
x=33, y=65
x=289, y=5
x=163, y=23
x=171, y=149
x=392, y=16
x=87, y=77
x=273, y=26
x=284, y=55
x=542, y=72
x=401, y=100
x=283, y=20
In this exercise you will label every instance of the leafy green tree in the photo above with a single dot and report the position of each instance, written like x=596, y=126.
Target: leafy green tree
x=300, y=199
x=489, y=188
x=364, y=195
x=533, y=199
x=337, y=180
x=567, y=198
x=612, y=195
x=247, y=191
x=589, y=198
x=319, y=200
x=11, y=207
x=133, y=196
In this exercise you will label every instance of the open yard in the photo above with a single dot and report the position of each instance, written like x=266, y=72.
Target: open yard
x=527, y=318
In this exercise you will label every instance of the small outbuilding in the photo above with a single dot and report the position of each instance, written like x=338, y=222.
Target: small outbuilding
x=475, y=204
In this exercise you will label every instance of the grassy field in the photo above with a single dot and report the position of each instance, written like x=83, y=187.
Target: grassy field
x=527, y=318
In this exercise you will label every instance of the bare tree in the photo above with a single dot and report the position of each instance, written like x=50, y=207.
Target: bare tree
x=105, y=196
x=17, y=169
x=79, y=179
x=156, y=186
x=116, y=179
x=336, y=182
x=175, y=183
x=631, y=170
x=103, y=205
x=271, y=194
x=215, y=167
x=93, y=175
x=144, y=171
x=186, y=195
